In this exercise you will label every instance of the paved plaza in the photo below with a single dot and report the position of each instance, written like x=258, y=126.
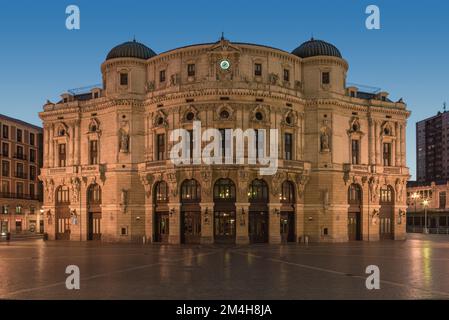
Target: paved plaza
x=412, y=269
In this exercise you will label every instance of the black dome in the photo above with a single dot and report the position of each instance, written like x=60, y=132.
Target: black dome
x=314, y=48
x=131, y=49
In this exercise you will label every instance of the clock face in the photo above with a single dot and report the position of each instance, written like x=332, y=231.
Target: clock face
x=224, y=64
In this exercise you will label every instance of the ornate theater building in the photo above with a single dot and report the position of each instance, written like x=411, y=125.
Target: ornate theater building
x=341, y=172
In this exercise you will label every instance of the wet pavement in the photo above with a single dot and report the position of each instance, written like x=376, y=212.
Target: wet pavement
x=413, y=269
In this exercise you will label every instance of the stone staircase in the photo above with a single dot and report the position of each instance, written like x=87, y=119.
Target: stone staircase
x=23, y=236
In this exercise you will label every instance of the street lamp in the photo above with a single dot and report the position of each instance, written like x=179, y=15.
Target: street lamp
x=425, y=203
x=415, y=196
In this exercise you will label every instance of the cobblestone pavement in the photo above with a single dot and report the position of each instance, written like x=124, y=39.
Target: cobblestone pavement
x=412, y=269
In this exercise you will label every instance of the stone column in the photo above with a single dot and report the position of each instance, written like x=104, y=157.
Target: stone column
x=207, y=222
x=372, y=142
x=299, y=222
x=77, y=143
x=397, y=147
x=46, y=145
x=242, y=222
x=403, y=145
x=175, y=223
x=52, y=147
x=274, y=229
x=149, y=218
x=377, y=142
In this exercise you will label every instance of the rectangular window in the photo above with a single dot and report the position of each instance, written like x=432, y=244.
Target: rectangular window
x=19, y=189
x=288, y=146
x=5, y=132
x=355, y=153
x=442, y=200
x=162, y=76
x=19, y=171
x=160, y=147
x=5, y=209
x=325, y=78
x=19, y=153
x=191, y=70
x=5, y=149
x=123, y=79
x=93, y=152
x=32, y=191
x=258, y=69
x=387, y=154
x=5, y=168
x=32, y=173
x=286, y=75
x=32, y=139
x=5, y=187
x=19, y=135
x=62, y=155
x=191, y=143
x=32, y=155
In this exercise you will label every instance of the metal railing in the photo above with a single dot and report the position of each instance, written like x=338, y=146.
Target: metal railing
x=12, y=195
x=20, y=156
x=420, y=229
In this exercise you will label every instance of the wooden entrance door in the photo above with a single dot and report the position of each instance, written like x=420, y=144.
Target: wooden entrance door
x=354, y=225
x=224, y=226
x=94, y=226
x=258, y=226
x=287, y=226
x=62, y=223
x=191, y=226
x=355, y=212
x=386, y=221
x=162, y=224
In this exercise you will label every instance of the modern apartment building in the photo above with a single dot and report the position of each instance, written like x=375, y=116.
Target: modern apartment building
x=21, y=192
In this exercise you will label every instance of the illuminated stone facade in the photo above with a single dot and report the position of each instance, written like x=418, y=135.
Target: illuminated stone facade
x=341, y=173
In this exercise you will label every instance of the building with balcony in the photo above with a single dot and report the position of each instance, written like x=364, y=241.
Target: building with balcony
x=432, y=148
x=21, y=191
x=428, y=199
x=341, y=171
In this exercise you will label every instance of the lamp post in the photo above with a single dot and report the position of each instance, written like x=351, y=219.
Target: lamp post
x=415, y=196
x=425, y=204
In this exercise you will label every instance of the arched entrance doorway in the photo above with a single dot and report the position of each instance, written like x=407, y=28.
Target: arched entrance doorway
x=386, y=230
x=258, y=211
x=224, y=211
x=287, y=198
x=94, y=212
x=190, y=212
x=62, y=214
x=355, y=212
x=161, y=215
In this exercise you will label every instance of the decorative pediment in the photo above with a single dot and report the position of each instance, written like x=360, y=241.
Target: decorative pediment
x=94, y=126
x=261, y=114
x=160, y=120
x=290, y=118
x=62, y=130
x=190, y=114
x=225, y=113
x=387, y=129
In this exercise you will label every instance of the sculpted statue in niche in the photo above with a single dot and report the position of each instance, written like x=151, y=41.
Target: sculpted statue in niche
x=325, y=140
x=124, y=138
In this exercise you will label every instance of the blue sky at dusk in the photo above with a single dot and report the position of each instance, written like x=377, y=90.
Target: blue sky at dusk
x=408, y=57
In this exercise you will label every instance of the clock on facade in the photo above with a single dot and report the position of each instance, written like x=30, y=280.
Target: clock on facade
x=224, y=64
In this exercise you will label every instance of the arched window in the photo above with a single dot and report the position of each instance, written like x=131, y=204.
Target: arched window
x=94, y=194
x=387, y=195
x=258, y=191
x=190, y=191
x=224, y=189
x=287, y=192
x=62, y=195
x=161, y=193
x=354, y=194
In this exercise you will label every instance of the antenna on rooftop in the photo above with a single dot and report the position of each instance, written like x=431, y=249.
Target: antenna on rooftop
x=444, y=106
